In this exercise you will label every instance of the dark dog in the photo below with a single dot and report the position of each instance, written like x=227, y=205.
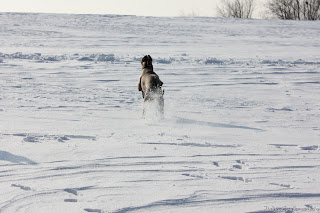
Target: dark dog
x=151, y=86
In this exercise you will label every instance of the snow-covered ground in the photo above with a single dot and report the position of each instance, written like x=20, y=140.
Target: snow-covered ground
x=242, y=115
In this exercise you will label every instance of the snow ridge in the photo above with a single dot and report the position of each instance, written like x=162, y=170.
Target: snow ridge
x=182, y=59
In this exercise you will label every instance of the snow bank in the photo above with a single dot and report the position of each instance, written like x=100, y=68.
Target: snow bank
x=112, y=58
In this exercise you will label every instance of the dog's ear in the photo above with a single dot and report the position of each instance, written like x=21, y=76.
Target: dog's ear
x=150, y=59
x=144, y=59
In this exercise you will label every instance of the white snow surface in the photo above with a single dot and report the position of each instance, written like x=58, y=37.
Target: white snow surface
x=242, y=115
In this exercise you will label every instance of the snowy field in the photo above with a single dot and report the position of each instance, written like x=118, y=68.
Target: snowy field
x=242, y=115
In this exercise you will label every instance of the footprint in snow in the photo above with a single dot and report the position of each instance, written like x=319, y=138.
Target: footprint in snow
x=70, y=200
x=240, y=162
x=238, y=166
x=246, y=180
x=93, y=210
x=71, y=191
x=194, y=176
x=310, y=148
x=282, y=185
x=31, y=139
x=25, y=188
x=216, y=163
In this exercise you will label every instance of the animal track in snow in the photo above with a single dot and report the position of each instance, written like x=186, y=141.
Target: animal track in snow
x=282, y=185
x=310, y=148
x=25, y=188
x=238, y=166
x=71, y=191
x=93, y=210
x=195, y=176
x=70, y=200
x=204, y=145
x=246, y=180
x=31, y=139
x=35, y=138
x=240, y=161
x=216, y=163
x=283, y=145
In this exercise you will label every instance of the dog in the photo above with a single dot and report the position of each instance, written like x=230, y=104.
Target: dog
x=151, y=87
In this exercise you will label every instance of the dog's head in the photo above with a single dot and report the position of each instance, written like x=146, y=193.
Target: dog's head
x=146, y=62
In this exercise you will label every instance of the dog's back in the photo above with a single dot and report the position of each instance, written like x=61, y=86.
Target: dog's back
x=149, y=83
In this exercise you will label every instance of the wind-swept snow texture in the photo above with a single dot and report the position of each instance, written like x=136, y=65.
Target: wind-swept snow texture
x=242, y=115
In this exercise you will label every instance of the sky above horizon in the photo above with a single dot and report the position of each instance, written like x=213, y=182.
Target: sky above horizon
x=121, y=7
